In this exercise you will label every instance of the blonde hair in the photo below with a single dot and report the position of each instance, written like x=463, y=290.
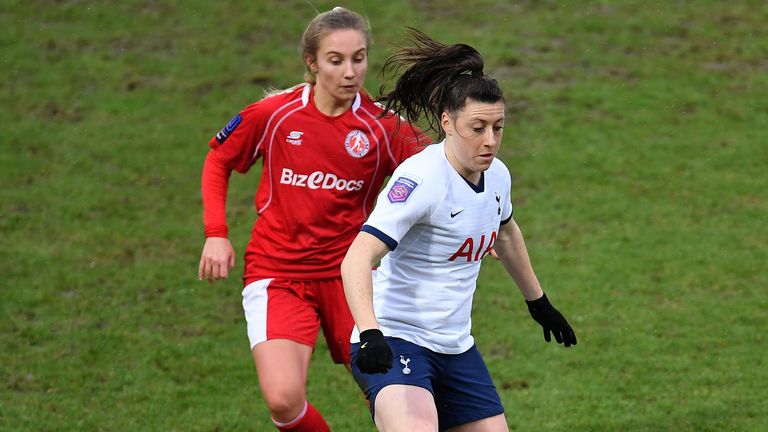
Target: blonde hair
x=337, y=18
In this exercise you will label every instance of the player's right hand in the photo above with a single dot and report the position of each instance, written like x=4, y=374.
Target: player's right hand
x=551, y=320
x=374, y=355
x=217, y=259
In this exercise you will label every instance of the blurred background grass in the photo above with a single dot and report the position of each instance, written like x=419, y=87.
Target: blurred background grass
x=638, y=147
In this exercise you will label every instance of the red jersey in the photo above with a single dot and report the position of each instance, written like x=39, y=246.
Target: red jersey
x=320, y=178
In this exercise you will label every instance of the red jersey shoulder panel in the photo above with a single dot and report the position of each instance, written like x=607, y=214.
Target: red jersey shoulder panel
x=239, y=143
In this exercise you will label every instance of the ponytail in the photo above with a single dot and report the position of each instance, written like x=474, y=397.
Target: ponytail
x=437, y=78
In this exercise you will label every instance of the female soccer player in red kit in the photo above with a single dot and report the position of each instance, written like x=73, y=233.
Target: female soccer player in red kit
x=325, y=150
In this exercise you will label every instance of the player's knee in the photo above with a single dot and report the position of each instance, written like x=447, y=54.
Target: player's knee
x=284, y=405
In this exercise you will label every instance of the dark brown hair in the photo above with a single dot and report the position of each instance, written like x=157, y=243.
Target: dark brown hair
x=436, y=78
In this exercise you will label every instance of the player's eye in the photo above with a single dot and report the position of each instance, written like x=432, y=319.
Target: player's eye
x=478, y=130
x=498, y=128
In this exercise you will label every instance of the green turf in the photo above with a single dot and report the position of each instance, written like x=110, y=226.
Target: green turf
x=637, y=139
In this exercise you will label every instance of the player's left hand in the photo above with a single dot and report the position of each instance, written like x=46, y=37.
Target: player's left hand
x=375, y=355
x=551, y=320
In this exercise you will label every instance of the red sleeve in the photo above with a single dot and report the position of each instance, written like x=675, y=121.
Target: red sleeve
x=237, y=143
x=235, y=147
x=215, y=181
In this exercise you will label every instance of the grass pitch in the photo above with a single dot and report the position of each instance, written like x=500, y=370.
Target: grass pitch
x=637, y=140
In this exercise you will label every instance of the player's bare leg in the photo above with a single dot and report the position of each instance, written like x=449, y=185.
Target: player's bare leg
x=282, y=367
x=489, y=424
x=405, y=408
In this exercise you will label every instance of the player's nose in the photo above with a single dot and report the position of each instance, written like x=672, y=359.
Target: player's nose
x=349, y=70
x=491, y=138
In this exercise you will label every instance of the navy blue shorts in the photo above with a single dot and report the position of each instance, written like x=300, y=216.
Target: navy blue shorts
x=460, y=383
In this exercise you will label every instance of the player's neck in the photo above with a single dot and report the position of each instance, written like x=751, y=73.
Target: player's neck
x=329, y=105
x=472, y=176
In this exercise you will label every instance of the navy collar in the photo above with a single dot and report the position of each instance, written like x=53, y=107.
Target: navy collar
x=480, y=186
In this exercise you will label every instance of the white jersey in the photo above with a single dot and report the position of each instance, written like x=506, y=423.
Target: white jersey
x=438, y=226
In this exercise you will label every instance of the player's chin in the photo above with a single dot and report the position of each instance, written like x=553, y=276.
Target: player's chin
x=348, y=91
x=484, y=163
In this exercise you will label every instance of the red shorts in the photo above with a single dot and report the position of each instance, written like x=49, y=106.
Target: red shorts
x=296, y=309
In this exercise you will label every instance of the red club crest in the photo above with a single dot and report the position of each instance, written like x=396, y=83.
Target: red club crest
x=357, y=144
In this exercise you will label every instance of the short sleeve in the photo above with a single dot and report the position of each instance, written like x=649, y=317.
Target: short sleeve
x=507, y=209
x=506, y=212
x=406, y=201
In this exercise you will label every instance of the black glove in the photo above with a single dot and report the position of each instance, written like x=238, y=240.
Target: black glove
x=375, y=355
x=551, y=320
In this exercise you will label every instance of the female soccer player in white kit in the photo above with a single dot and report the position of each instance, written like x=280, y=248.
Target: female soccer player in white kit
x=442, y=211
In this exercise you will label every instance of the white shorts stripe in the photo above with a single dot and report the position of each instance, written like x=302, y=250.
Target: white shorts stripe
x=255, y=308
